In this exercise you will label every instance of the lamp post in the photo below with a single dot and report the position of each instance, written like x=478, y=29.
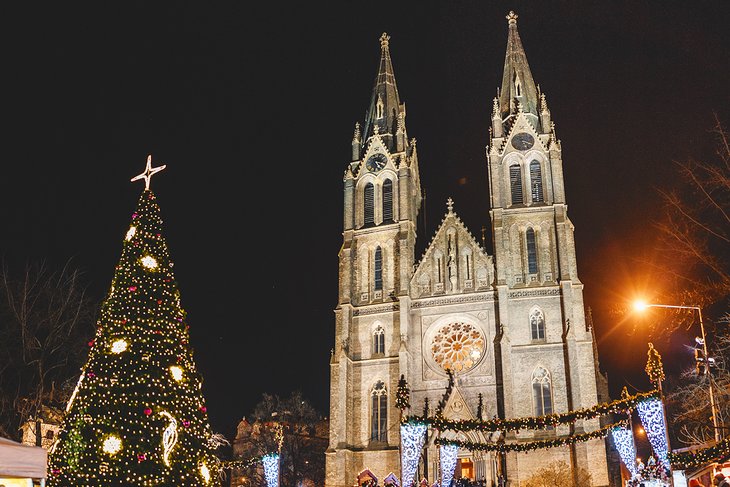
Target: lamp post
x=640, y=306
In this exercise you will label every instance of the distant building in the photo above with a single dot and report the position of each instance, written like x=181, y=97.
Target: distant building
x=45, y=429
x=512, y=326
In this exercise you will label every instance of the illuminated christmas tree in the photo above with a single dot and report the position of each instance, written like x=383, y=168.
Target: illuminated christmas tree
x=137, y=416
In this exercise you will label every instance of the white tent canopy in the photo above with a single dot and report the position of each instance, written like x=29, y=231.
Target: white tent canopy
x=17, y=460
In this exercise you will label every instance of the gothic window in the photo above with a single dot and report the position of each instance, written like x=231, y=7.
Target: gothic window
x=537, y=325
x=379, y=413
x=531, y=252
x=379, y=108
x=388, y=201
x=378, y=269
x=542, y=392
x=515, y=183
x=536, y=182
x=369, y=201
x=379, y=341
x=458, y=346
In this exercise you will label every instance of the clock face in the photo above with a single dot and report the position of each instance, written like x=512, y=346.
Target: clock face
x=522, y=141
x=376, y=162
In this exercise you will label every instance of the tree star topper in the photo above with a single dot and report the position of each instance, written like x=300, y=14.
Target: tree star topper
x=148, y=172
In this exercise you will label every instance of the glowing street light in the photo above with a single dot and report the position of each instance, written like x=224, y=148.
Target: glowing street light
x=642, y=306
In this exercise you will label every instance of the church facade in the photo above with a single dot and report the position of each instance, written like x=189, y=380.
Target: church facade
x=511, y=326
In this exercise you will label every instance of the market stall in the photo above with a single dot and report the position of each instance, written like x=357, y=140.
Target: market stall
x=21, y=465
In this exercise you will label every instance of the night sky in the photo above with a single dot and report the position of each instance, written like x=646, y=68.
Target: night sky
x=252, y=104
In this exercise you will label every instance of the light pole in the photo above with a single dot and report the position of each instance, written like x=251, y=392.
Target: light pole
x=640, y=306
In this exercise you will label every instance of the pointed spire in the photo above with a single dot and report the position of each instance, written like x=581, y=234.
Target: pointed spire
x=518, y=87
x=385, y=106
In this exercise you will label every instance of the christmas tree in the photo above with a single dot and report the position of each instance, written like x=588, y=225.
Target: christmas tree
x=137, y=416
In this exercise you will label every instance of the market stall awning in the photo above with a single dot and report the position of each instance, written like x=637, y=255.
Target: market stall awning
x=17, y=460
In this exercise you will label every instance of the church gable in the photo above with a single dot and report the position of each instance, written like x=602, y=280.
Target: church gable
x=454, y=262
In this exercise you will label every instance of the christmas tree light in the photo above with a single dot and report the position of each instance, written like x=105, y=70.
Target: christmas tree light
x=137, y=416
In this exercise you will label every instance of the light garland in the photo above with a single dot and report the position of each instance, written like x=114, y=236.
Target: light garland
x=73, y=394
x=412, y=437
x=447, y=458
x=651, y=413
x=532, y=445
x=654, y=368
x=130, y=233
x=402, y=394
x=205, y=472
x=719, y=452
x=541, y=422
x=271, y=469
x=623, y=438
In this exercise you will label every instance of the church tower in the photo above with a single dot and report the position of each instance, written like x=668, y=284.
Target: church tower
x=510, y=326
x=544, y=347
x=382, y=195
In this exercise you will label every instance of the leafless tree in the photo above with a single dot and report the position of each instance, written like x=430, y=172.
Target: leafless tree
x=689, y=399
x=304, y=439
x=695, y=230
x=46, y=320
x=558, y=474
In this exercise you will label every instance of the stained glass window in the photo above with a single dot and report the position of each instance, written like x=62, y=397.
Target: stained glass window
x=379, y=413
x=458, y=346
x=541, y=392
x=537, y=325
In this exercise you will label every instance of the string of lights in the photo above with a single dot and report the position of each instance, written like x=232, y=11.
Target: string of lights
x=533, y=445
x=448, y=457
x=271, y=469
x=716, y=453
x=412, y=436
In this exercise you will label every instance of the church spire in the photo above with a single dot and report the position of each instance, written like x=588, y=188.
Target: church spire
x=518, y=87
x=385, y=107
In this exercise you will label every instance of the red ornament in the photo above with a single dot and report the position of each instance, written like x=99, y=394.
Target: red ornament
x=159, y=301
x=91, y=375
x=141, y=457
x=55, y=471
x=204, y=409
x=186, y=423
x=132, y=288
x=147, y=411
x=91, y=343
x=134, y=215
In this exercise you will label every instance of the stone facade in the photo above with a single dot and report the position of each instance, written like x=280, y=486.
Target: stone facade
x=511, y=326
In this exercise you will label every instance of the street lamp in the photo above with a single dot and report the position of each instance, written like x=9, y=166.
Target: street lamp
x=641, y=306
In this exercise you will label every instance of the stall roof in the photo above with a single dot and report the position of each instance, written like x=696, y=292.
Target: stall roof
x=18, y=460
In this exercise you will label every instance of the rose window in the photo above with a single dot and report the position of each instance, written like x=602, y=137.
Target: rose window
x=458, y=346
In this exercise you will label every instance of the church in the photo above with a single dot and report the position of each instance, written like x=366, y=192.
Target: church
x=511, y=326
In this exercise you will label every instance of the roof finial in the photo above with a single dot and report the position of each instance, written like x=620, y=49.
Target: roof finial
x=511, y=18
x=148, y=172
x=384, y=38
x=450, y=205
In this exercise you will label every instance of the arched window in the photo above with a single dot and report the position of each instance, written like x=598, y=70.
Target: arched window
x=537, y=325
x=531, y=251
x=378, y=269
x=379, y=340
x=536, y=182
x=369, y=204
x=515, y=183
x=379, y=413
x=388, y=201
x=542, y=392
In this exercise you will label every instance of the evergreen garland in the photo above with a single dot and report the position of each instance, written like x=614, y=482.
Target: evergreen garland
x=715, y=453
x=533, y=445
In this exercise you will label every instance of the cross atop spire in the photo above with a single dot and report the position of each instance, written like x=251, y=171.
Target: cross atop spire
x=148, y=172
x=450, y=205
x=511, y=18
x=384, y=38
